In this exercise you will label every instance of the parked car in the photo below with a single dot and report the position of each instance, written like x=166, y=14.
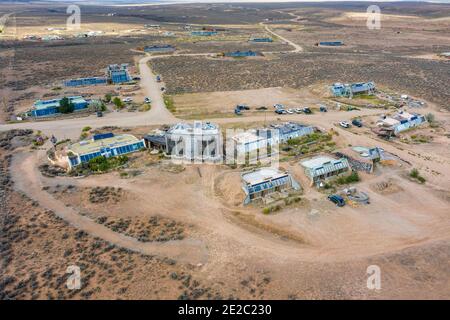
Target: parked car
x=147, y=100
x=162, y=88
x=158, y=78
x=298, y=110
x=344, y=124
x=99, y=114
x=278, y=106
x=280, y=111
x=290, y=111
x=127, y=99
x=337, y=200
x=357, y=123
x=323, y=109
x=307, y=110
x=242, y=107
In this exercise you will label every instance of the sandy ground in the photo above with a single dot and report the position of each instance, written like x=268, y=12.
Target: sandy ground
x=215, y=104
x=308, y=250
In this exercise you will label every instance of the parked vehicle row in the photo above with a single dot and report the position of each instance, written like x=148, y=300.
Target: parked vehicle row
x=280, y=109
x=355, y=122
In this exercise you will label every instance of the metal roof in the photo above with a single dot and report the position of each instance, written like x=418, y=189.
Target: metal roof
x=262, y=175
x=55, y=103
x=202, y=127
x=322, y=165
x=90, y=146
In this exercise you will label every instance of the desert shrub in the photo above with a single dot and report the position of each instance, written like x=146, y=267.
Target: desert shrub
x=353, y=177
x=117, y=102
x=170, y=104
x=430, y=117
x=414, y=173
x=86, y=129
x=291, y=200
x=102, y=164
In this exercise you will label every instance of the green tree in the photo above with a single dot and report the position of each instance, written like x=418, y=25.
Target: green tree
x=108, y=97
x=118, y=102
x=65, y=106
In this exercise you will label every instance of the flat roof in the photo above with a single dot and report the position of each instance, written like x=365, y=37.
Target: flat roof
x=262, y=175
x=318, y=162
x=198, y=126
x=90, y=146
x=246, y=137
x=55, y=103
x=390, y=121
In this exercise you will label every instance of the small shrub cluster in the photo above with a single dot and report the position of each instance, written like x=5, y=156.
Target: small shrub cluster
x=352, y=178
x=414, y=173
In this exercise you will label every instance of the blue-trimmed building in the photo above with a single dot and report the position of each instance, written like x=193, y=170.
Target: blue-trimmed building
x=292, y=130
x=321, y=168
x=93, y=81
x=263, y=39
x=203, y=33
x=262, y=182
x=47, y=108
x=159, y=48
x=236, y=54
x=331, y=43
x=348, y=90
x=102, y=145
x=118, y=73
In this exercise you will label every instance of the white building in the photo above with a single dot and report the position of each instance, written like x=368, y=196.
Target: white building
x=200, y=142
x=402, y=121
x=252, y=145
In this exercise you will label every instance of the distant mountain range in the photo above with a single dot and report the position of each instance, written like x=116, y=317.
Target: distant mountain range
x=155, y=2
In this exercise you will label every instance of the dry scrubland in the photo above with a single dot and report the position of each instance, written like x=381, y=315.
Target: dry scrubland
x=34, y=264
x=420, y=77
x=307, y=250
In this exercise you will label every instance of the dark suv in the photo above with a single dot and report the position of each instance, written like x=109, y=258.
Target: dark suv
x=357, y=123
x=337, y=200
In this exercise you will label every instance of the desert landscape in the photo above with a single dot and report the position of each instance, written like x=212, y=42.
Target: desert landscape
x=140, y=225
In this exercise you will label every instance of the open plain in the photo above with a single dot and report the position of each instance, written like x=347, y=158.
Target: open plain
x=152, y=229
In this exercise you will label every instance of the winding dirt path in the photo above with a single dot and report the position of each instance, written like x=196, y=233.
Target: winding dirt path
x=26, y=178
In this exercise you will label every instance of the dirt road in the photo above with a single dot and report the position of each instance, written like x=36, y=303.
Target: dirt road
x=297, y=48
x=27, y=179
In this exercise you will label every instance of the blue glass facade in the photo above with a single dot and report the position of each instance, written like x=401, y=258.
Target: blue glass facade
x=51, y=107
x=84, y=82
x=269, y=185
x=110, y=151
